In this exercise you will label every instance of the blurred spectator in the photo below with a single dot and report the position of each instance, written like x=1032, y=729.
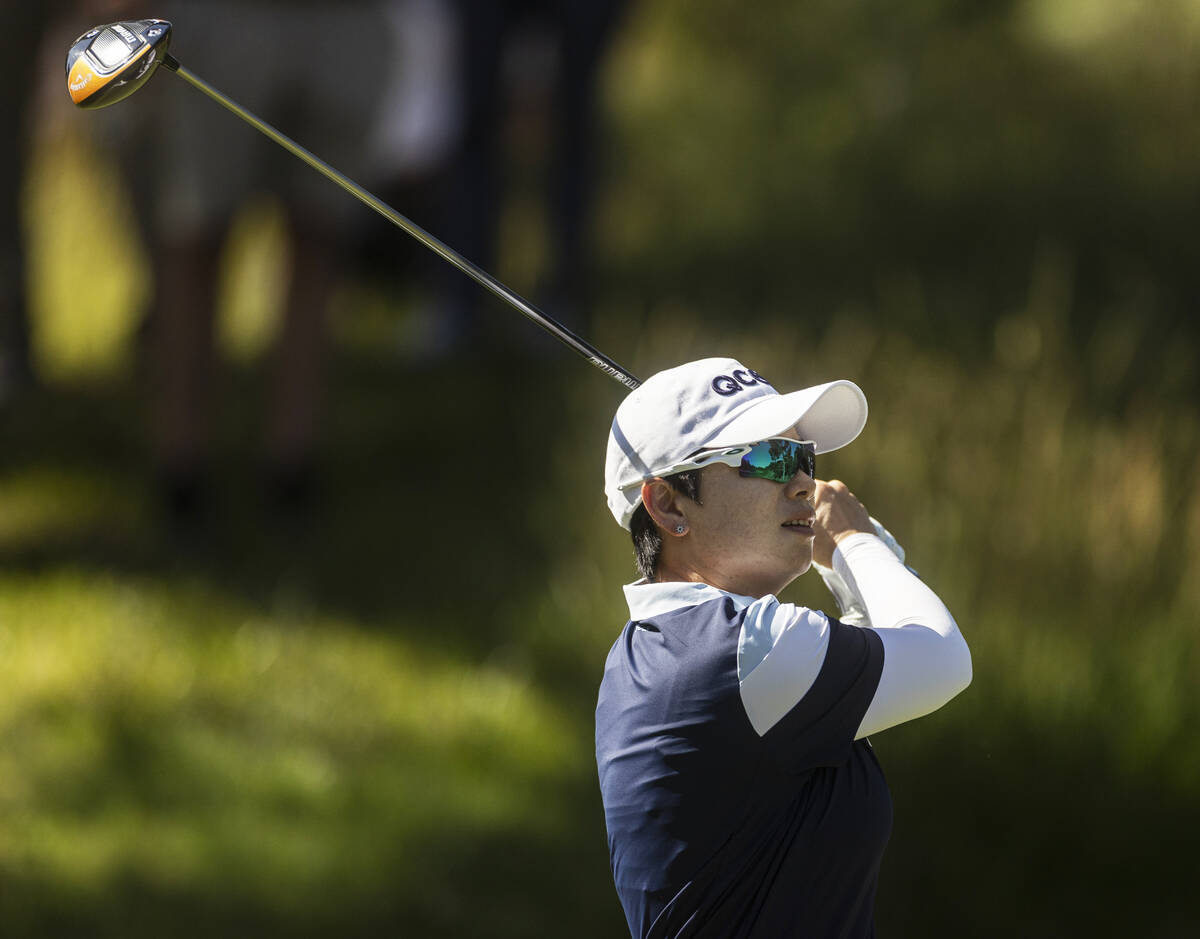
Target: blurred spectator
x=500, y=37
x=417, y=130
x=21, y=29
x=419, y=118
x=26, y=30
x=312, y=69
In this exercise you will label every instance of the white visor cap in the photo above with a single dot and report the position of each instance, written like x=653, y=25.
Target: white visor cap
x=716, y=403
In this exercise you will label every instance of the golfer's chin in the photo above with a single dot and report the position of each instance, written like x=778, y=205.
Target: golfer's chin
x=779, y=575
x=804, y=560
x=801, y=568
x=802, y=555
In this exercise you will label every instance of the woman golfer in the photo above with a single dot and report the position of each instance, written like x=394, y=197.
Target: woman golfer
x=741, y=793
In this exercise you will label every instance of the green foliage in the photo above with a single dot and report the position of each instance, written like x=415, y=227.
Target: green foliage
x=912, y=158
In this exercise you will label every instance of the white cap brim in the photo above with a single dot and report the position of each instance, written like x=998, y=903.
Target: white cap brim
x=830, y=415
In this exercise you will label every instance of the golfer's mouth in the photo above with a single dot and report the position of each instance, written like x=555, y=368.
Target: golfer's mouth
x=801, y=526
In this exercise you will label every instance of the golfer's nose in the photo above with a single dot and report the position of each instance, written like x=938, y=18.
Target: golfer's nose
x=801, y=486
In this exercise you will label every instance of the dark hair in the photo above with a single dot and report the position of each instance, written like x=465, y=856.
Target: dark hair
x=647, y=539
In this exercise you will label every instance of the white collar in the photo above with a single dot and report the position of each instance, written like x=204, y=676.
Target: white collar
x=647, y=599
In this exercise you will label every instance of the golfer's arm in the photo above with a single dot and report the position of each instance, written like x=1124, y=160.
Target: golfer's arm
x=926, y=661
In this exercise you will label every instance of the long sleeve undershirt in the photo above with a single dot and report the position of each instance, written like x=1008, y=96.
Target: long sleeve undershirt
x=926, y=661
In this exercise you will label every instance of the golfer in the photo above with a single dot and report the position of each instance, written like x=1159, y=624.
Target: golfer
x=741, y=794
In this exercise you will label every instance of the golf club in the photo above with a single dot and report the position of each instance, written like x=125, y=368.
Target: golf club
x=109, y=63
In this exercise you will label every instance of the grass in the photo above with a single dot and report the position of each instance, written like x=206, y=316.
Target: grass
x=162, y=735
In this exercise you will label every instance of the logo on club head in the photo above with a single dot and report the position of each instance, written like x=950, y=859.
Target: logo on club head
x=82, y=81
x=737, y=380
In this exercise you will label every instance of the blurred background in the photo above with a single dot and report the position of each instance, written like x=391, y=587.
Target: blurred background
x=306, y=576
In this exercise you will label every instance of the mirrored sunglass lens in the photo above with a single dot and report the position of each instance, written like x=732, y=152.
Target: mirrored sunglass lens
x=778, y=460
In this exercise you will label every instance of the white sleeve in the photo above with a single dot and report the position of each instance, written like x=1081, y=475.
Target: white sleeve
x=926, y=661
x=780, y=653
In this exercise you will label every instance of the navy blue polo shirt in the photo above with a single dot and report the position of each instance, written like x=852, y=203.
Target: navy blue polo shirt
x=715, y=829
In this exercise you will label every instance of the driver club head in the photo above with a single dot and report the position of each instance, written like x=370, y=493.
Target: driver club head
x=111, y=62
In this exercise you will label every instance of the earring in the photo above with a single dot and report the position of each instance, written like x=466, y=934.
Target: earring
x=680, y=529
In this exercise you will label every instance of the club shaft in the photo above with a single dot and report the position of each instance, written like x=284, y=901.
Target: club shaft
x=556, y=329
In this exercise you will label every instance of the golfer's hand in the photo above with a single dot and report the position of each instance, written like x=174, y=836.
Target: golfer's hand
x=839, y=514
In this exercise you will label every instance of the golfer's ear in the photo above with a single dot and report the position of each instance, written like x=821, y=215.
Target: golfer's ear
x=665, y=505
